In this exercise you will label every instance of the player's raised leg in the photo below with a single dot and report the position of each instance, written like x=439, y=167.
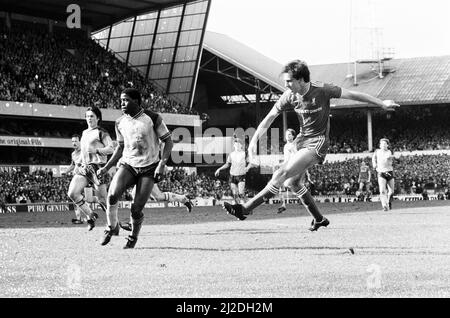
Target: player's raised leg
x=297, y=165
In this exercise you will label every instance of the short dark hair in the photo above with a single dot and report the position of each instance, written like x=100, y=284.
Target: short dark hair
x=133, y=93
x=96, y=111
x=299, y=69
x=292, y=131
x=75, y=136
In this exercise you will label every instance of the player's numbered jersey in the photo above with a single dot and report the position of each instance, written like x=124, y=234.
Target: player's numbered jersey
x=312, y=109
x=238, y=163
x=92, y=139
x=140, y=136
x=289, y=150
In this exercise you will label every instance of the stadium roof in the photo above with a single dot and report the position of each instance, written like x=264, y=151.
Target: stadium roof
x=96, y=13
x=244, y=57
x=421, y=80
x=411, y=81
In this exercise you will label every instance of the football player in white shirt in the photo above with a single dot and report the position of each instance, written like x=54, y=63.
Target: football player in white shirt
x=95, y=146
x=237, y=162
x=382, y=161
x=289, y=149
x=138, y=133
x=89, y=196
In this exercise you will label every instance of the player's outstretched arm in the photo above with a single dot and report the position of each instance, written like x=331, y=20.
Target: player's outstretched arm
x=225, y=166
x=363, y=97
x=261, y=130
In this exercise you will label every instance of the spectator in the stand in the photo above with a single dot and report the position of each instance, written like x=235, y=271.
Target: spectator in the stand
x=81, y=72
x=328, y=179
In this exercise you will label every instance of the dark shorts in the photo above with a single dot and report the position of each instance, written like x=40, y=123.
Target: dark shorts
x=237, y=179
x=89, y=171
x=320, y=144
x=148, y=171
x=386, y=175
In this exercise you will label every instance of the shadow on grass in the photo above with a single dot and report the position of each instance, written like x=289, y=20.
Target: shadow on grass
x=362, y=250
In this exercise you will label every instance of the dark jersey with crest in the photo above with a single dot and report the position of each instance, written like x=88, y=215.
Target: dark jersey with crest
x=312, y=109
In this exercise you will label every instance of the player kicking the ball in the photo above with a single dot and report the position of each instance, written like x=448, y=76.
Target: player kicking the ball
x=289, y=149
x=311, y=102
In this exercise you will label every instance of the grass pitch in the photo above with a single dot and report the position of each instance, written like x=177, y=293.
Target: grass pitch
x=363, y=253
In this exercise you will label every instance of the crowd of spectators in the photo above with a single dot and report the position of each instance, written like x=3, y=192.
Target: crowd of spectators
x=66, y=68
x=203, y=185
x=413, y=175
x=409, y=129
x=39, y=186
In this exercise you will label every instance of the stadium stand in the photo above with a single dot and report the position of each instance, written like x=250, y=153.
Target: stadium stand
x=413, y=128
x=82, y=73
x=66, y=68
x=349, y=133
x=42, y=186
x=414, y=175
